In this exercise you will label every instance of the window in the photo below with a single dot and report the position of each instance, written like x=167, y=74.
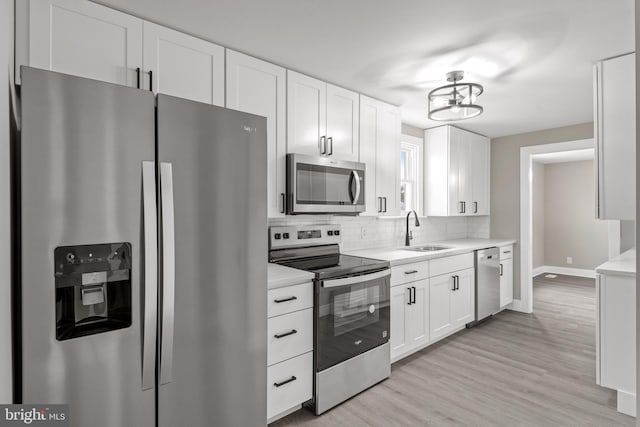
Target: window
x=410, y=173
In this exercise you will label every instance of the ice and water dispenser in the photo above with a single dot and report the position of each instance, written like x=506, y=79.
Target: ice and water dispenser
x=93, y=289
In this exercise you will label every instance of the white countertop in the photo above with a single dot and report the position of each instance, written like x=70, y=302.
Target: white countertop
x=280, y=276
x=622, y=265
x=398, y=256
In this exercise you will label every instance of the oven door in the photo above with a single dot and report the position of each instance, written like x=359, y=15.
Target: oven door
x=352, y=316
x=324, y=185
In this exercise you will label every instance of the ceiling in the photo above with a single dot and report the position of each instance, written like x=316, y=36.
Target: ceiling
x=534, y=58
x=565, y=156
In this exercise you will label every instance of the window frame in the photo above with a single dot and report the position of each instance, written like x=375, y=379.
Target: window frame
x=416, y=143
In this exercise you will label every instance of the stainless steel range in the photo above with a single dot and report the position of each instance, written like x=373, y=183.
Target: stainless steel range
x=351, y=308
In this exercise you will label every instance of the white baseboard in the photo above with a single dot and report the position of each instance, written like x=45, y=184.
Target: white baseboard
x=580, y=272
x=627, y=403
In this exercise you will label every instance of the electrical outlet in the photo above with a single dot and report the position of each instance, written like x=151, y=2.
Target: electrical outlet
x=363, y=233
x=569, y=260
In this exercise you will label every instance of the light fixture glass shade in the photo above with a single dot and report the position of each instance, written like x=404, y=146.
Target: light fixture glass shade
x=456, y=101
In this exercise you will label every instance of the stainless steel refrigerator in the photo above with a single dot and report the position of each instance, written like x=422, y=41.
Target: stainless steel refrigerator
x=141, y=256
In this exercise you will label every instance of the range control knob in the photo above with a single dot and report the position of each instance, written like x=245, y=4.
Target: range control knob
x=330, y=233
x=277, y=236
x=285, y=235
x=336, y=233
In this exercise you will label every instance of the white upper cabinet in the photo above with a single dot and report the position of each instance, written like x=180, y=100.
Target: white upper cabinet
x=79, y=37
x=306, y=115
x=457, y=172
x=615, y=137
x=322, y=119
x=343, y=117
x=380, y=128
x=258, y=87
x=183, y=66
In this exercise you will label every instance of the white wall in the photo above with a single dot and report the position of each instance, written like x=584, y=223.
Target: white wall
x=570, y=226
x=6, y=81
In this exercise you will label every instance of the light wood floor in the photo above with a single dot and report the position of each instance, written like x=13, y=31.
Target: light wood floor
x=513, y=370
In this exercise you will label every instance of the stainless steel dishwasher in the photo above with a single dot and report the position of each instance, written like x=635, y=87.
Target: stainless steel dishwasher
x=487, y=283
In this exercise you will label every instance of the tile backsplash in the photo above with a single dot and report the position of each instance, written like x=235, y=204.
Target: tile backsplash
x=362, y=232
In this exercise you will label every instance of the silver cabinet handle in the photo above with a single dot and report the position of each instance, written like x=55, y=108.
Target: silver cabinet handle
x=461, y=209
x=330, y=144
x=282, y=200
x=356, y=178
x=501, y=270
x=168, y=272
x=411, y=272
x=410, y=299
x=379, y=204
x=322, y=145
x=281, y=300
x=150, y=229
x=385, y=204
x=475, y=207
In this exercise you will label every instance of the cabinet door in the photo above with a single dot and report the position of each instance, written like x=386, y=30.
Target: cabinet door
x=463, y=299
x=479, y=161
x=506, y=282
x=369, y=113
x=440, y=288
x=399, y=326
x=258, y=87
x=418, y=314
x=85, y=39
x=183, y=66
x=615, y=137
x=306, y=115
x=458, y=172
x=343, y=117
x=388, y=160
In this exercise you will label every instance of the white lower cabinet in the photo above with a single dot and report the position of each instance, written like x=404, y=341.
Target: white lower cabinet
x=289, y=349
x=451, y=302
x=616, y=338
x=506, y=282
x=409, y=318
x=289, y=384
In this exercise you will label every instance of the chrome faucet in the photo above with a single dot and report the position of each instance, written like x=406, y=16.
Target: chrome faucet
x=408, y=235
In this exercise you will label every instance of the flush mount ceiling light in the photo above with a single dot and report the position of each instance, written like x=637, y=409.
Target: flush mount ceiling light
x=455, y=101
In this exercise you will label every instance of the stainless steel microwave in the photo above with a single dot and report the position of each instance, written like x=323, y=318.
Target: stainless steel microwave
x=322, y=185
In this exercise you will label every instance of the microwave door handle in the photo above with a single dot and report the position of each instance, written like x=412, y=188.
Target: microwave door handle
x=168, y=272
x=332, y=283
x=150, y=274
x=356, y=178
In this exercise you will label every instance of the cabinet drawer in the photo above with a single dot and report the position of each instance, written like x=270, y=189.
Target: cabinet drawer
x=451, y=263
x=289, y=335
x=299, y=374
x=406, y=273
x=506, y=252
x=289, y=299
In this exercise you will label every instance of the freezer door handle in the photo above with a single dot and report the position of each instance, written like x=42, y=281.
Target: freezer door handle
x=168, y=272
x=150, y=274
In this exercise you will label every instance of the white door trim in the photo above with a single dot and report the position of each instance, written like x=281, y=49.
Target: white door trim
x=527, y=155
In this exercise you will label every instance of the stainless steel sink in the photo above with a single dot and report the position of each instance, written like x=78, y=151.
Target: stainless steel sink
x=428, y=248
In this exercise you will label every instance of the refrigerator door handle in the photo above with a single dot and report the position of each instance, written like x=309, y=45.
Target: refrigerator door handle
x=168, y=272
x=150, y=275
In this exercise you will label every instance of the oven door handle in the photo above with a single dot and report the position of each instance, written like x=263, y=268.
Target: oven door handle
x=332, y=283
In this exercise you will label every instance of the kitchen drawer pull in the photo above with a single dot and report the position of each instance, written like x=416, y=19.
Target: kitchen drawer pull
x=286, y=334
x=411, y=272
x=410, y=299
x=281, y=300
x=414, y=295
x=506, y=252
x=287, y=381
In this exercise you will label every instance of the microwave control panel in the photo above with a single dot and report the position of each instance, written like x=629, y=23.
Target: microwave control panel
x=304, y=235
